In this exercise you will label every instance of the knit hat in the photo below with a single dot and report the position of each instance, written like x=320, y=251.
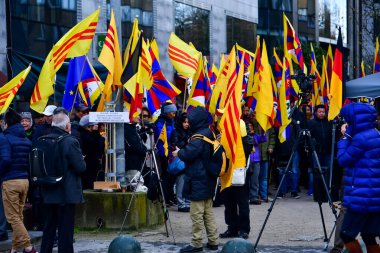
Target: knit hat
x=169, y=108
x=26, y=115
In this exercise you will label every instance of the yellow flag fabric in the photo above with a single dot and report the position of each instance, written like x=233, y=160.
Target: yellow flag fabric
x=9, y=90
x=164, y=138
x=75, y=42
x=230, y=131
x=222, y=62
x=184, y=57
x=227, y=76
x=110, y=56
x=145, y=68
x=132, y=42
x=154, y=47
x=264, y=107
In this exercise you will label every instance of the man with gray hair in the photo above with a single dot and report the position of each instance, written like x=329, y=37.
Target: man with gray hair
x=60, y=199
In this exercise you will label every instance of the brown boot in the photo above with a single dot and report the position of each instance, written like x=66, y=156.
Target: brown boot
x=353, y=247
x=373, y=248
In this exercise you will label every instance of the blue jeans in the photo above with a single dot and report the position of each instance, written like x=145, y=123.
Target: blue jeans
x=254, y=181
x=181, y=201
x=293, y=175
x=263, y=179
x=3, y=220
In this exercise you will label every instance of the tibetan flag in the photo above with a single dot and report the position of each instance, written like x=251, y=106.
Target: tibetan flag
x=132, y=42
x=75, y=42
x=10, y=89
x=230, y=131
x=161, y=89
x=264, y=107
x=253, y=83
x=110, y=57
x=164, y=138
x=292, y=44
x=316, y=94
x=145, y=68
x=248, y=69
x=376, y=60
x=82, y=84
x=329, y=63
x=200, y=89
x=184, y=57
x=336, y=87
x=362, y=69
x=284, y=103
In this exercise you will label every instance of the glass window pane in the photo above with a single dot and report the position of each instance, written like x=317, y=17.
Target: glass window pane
x=125, y=13
x=147, y=18
x=241, y=32
x=192, y=25
x=136, y=13
x=37, y=25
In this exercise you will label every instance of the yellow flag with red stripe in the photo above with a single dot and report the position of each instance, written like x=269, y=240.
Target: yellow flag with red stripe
x=184, y=57
x=75, y=42
x=9, y=90
x=164, y=138
x=230, y=130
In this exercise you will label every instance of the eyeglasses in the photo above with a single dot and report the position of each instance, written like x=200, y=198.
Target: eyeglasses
x=145, y=116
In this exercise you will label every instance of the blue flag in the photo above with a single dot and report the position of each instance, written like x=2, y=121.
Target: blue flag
x=79, y=71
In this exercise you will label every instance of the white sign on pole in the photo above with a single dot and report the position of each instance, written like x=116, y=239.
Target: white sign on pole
x=109, y=117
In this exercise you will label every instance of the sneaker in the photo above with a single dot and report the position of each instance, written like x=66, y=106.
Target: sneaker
x=229, y=234
x=280, y=196
x=190, y=248
x=212, y=247
x=295, y=195
x=255, y=202
x=243, y=235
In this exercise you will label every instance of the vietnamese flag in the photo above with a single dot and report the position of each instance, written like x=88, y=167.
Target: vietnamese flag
x=336, y=87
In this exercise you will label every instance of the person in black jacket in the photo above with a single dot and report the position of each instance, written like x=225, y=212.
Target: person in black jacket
x=199, y=186
x=92, y=146
x=321, y=134
x=60, y=199
x=179, y=138
x=135, y=150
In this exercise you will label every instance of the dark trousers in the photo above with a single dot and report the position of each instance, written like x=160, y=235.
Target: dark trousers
x=236, y=212
x=168, y=180
x=61, y=217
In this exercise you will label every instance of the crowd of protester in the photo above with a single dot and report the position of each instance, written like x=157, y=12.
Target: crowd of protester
x=189, y=189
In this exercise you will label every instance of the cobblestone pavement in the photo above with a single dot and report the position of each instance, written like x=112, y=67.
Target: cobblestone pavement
x=294, y=226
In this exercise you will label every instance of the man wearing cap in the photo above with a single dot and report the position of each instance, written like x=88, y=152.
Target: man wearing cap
x=80, y=111
x=27, y=124
x=45, y=128
x=168, y=112
x=92, y=145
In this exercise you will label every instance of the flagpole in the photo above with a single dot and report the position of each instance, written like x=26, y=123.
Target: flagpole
x=80, y=78
x=184, y=95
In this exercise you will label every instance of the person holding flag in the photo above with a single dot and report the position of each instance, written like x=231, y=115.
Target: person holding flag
x=165, y=122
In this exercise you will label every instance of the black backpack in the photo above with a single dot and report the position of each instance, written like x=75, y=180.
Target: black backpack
x=218, y=164
x=43, y=160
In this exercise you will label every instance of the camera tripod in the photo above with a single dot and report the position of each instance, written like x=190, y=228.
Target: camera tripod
x=154, y=170
x=304, y=134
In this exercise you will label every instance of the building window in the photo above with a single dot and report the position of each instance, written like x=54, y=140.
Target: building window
x=192, y=25
x=130, y=9
x=37, y=25
x=241, y=32
x=331, y=15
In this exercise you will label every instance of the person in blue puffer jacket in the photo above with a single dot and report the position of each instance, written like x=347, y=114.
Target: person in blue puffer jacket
x=359, y=154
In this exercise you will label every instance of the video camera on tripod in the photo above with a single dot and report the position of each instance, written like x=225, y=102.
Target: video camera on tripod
x=305, y=83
